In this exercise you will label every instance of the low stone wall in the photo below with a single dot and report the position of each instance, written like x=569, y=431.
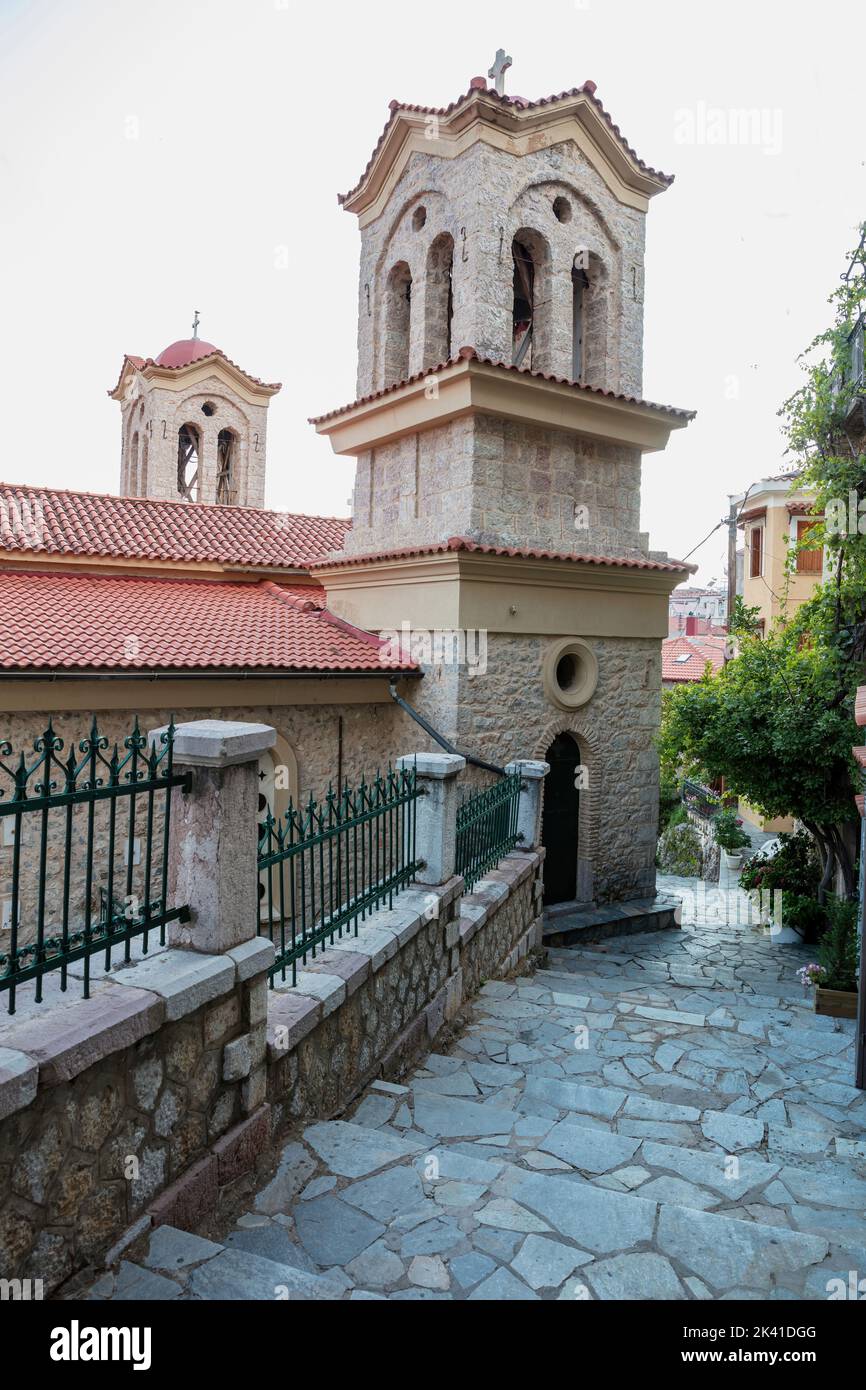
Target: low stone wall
x=136, y=1107
x=501, y=921
x=106, y=1103
x=374, y=1003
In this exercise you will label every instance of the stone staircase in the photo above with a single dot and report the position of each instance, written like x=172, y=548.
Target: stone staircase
x=661, y=1119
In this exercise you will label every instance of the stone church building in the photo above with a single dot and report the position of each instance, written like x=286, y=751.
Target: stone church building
x=493, y=576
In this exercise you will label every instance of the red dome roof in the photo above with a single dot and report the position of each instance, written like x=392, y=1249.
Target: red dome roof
x=182, y=353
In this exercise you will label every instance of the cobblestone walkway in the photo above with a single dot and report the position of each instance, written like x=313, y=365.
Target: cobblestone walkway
x=658, y=1117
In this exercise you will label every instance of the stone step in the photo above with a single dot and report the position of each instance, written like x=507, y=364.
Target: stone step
x=179, y=1265
x=590, y=923
x=618, y=984
x=673, y=1105
x=598, y=1132
x=667, y=1196
x=727, y=1254
x=822, y=1199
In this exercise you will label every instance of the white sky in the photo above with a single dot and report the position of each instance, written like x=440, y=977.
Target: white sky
x=251, y=115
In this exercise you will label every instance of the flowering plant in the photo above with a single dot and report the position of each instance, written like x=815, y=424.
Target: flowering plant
x=811, y=976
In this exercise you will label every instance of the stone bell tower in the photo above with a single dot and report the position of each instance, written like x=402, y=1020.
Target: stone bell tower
x=502, y=254
x=194, y=427
x=499, y=434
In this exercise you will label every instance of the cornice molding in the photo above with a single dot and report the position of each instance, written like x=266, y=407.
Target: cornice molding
x=471, y=387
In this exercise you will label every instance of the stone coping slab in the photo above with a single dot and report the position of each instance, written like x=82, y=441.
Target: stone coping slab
x=64, y=1042
x=330, y=990
x=291, y=1017
x=252, y=958
x=19, y=1080
x=185, y=980
x=349, y=966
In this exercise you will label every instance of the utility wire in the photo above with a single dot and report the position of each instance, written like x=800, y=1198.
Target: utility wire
x=703, y=542
x=724, y=522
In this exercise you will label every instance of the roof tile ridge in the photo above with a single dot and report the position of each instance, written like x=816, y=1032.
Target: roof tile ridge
x=324, y=615
x=268, y=586
x=204, y=508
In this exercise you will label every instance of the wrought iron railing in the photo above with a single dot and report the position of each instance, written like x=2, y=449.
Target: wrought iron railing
x=78, y=833
x=325, y=868
x=700, y=799
x=487, y=828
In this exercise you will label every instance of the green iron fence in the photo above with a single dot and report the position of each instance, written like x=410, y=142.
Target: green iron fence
x=486, y=828
x=84, y=856
x=324, y=869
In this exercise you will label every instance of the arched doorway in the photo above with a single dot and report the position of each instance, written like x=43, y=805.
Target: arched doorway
x=561, y=821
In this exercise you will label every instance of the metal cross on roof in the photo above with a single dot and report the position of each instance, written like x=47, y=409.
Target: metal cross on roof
x=195, y=323
x=499, y=69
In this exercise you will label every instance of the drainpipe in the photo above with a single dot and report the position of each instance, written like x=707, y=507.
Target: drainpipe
x=438, y=738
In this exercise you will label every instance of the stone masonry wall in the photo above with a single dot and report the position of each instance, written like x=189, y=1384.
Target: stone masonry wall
x=505, y=715
x=99, y=1147
x=487, y=949
x=501, y=483
x=482, y=199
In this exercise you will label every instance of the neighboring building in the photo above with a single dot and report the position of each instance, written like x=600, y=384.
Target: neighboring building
x=499, y=439
x=708, y=606
x=775, y=517
x=686, y=658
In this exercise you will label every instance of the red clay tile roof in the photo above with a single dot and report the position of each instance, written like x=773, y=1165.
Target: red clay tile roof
x=96, y=524
x=186, y=351
x=699, y=650
x=588, y=89
x=60, y=622
x=140, y=363
x=463, y=545
x=470, y=354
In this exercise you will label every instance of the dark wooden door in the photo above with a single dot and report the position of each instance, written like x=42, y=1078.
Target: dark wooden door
x=561, y=821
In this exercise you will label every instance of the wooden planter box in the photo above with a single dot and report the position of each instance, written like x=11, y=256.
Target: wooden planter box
x=835, y=1003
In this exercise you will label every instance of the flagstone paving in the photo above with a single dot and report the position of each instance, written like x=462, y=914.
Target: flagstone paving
x=658, y=1117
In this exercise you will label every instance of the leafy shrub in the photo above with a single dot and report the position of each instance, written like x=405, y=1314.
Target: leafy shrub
x=671, y=810
x=840, y=947
x=795, y=869
x=805, y=915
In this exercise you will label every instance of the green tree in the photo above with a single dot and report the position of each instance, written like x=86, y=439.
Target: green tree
x=777, y=723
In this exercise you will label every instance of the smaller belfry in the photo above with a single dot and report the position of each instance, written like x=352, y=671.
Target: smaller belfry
x=194, y=426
